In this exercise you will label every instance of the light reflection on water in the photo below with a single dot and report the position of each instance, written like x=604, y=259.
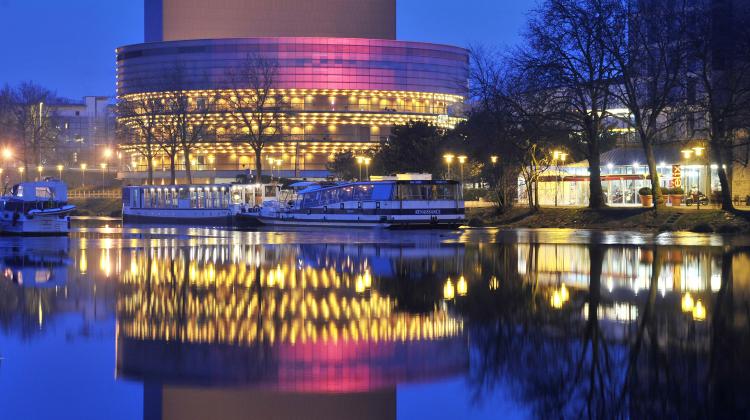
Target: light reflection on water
x=197, y=323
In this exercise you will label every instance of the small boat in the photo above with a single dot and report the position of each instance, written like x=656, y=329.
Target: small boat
x=379, y=204
x=204, y=204
x=36, y=208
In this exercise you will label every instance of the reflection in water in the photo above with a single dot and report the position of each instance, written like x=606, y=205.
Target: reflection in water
x=213, y=326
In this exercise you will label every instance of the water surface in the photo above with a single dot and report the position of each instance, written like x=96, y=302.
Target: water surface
x=193, y=323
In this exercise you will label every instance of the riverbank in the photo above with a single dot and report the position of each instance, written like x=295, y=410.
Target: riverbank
x=668, y=219
x=110, y=207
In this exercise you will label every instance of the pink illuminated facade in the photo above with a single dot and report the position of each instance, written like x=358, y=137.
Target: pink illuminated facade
x=336, y=94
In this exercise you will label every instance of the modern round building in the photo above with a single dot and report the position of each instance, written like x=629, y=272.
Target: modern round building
x=341, y=81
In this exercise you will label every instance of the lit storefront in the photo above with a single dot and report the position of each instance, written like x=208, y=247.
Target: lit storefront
x=623, y=173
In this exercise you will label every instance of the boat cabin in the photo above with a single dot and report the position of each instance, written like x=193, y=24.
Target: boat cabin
x=210, y=196
x=424, y=192
x=39, y=195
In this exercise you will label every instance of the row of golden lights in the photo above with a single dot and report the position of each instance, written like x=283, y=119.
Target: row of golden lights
x=304, y=92
x=399, y=327
x=450, y=157
x=108, y=153
x=560, y=296
x=296, y=304
x=461, y=287
x=229, y=121
x=272, y=148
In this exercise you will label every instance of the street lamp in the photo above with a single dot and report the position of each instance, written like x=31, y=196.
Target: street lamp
x=103, y=165
x=360, y=161
x=462, y=160
x=558, y=157
x=83, y=175
x=40, y=169
x=59, y=171
x=448, y=161
x=494, y=159
x=21, y=170
x=367, y=167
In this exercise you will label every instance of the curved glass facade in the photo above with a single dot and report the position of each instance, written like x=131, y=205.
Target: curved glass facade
x=304, y=63
x=336, y=94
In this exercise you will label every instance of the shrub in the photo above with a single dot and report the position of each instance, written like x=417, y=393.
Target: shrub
x=474, y=194
x=645, y=191
x=677, y=191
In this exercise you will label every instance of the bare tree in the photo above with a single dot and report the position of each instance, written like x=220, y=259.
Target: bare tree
x=185, y=121
x=255, y=104
x=139, y=117
x=646, y=45
x=513, y=121
x=572, y=62
x=31, y=122
x=718, y=39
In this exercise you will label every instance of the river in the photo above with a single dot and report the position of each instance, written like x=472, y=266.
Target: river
x=192, y=323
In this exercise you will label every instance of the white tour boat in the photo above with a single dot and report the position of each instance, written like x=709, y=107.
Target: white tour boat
x=36, y=208
x=205, y=204
x=383, y=204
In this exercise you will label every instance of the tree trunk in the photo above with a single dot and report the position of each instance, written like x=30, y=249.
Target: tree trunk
x=172, y=170
x=150, y=165
x=648, y=148
x=596, y=193
x=726, y=187
x=258, y=165
x=536, y=194
x=188, y=171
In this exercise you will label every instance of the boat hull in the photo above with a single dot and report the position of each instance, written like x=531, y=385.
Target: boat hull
x=221, y=217
x=52, y=225
x=380, y=222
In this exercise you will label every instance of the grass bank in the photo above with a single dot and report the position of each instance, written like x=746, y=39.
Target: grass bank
x=111, y=207
x=669, y=219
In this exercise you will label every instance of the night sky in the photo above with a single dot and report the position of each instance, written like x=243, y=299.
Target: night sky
x=68, y=45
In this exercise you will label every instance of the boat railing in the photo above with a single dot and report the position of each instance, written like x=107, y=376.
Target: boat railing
x=80, y=194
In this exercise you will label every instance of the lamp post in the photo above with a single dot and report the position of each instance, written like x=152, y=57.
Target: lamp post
x=360, y=161
x=59, y=171
x=448, y=161
x=21, y=170
x=461, y=161
x=83, y=175
x=7, y=155
x=103, y=165
x=40, y=169
x=367, y=167
x=558, y=157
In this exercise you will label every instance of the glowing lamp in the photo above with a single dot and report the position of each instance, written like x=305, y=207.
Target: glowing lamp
x=687, y=303
x=556, y=300
x=699, y=311
x=564, y=294
x=462, y=287
x=449, y=291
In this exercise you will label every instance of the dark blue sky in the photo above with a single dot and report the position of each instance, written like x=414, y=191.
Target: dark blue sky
x=68, y=45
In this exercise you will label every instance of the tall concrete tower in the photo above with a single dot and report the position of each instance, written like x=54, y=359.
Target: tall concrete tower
x=174, y=20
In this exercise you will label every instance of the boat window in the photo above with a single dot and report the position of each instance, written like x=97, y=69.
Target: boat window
x=363, y=192
x=43, y=192
x=382, y=192
x=236, y=196
x=346, y=193
x=270, y=191
x=427, y=192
